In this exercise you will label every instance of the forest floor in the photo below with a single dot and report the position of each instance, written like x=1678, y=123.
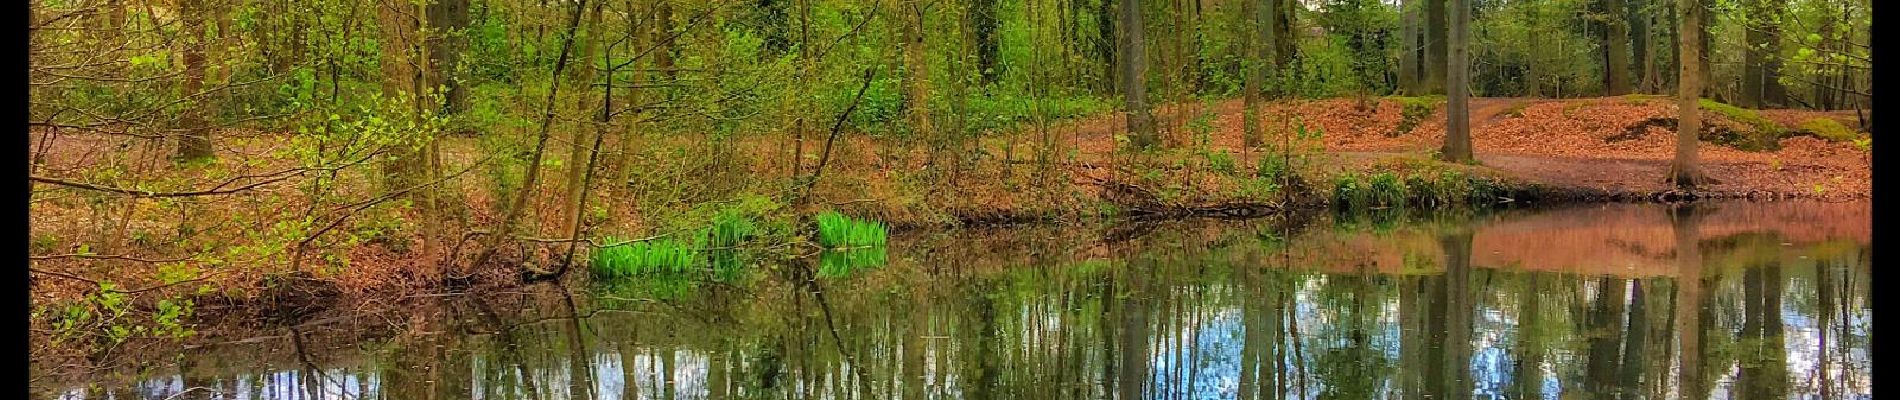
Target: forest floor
x=1610, y=145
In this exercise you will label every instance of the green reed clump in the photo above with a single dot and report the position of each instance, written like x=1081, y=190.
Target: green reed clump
x=657, y=255
x=1348, y=191
x=837, y=230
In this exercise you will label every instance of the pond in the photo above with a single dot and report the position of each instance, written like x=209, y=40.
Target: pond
x=1720, y=300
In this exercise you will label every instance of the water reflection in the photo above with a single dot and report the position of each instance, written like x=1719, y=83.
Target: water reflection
x=1615, y=302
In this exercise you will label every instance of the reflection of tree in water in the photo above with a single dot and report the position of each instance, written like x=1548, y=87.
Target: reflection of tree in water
x=1179, y=312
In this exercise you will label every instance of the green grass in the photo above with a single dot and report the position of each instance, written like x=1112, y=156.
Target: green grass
x=837, y=230
x=631, y=259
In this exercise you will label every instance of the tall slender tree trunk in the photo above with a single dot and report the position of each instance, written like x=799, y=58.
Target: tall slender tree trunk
x=1437, y=40
x=195, y=141
x=1458, y=97
x=1252, y=72
x=1637, y=12
x=1134, y=72
x=983, y=23
x=917, y=73
x=1683, y=171
x=1106, y=45
x=583, y=75
x=1761, y=61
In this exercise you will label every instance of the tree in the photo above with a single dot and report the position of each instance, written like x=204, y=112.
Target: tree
x=1458, y=76
x=195, y=143
x=1761, y=59
x=916, y=69
x=983, y=21
x=1408, y=47
x=1616, y=52
x=1134, y=72
x=1684, y=172
x=1252, y=72
x=1435, y=47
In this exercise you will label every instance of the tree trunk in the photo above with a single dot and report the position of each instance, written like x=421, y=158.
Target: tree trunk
x=1761, y=62
x=449, y=19
x=403, y=74
x=1684, y=172
x=1106, y=45
x=1408, y=47
x=1616, y=76
x=1251, y=72
x=1685, y=223
x=1436, y=51
x=195, y=142
x=1638, y=14
x=983, y=22
x=916, y=71
x=583, y=75
x=1458, y=77
x=1134, y=72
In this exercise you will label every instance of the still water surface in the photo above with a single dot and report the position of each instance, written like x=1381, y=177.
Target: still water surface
x=1612, y=301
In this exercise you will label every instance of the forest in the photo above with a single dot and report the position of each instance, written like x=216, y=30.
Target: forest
x=273, y=154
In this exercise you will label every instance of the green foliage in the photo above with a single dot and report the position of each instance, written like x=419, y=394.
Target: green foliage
x=836, y=230
x=1415, y=110
x=1357, y=191
x=636, y=258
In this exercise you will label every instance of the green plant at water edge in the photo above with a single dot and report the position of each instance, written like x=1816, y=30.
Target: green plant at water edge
x=1385, y=190
x=837, y=230
x=1348, y=191
x=657, y=255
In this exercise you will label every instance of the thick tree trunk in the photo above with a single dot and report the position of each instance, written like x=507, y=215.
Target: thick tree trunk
x=1458, y=77
x=1616, y=76
x=195, y=141
x=449, y=19
x=403, y=76
x=1408, y=47
x=1134, y=72
x=1684, y=172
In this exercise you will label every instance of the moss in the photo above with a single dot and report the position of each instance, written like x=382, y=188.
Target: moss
x=1643, y=99
x=1763, y=134
x=1830, y=129
x=1414, y=110
x=1516, y=110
